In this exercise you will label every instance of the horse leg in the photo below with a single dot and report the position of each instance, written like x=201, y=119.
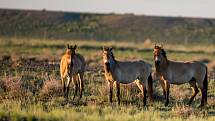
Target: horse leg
x=76, y=87
x=203, y=97
x=163, y=87
x=150, y=87
x=143, y=91
x=81, y=85
x=118, y=92
x=67, y=87
x=144, y=94
x=195, y=90
x=111, y=91
x=167, y=86
x=203, y=88
x=64, y=86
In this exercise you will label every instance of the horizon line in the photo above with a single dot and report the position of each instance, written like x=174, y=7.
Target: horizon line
x=116, y=13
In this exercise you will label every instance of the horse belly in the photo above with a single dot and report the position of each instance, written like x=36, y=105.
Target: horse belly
x=180, y=79
x=126, y=78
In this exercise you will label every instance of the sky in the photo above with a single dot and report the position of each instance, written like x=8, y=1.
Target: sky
x=182, y=8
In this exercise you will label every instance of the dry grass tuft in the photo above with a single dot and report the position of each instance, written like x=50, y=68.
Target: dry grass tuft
x=211, y=65
x=13, y=87
x=183, y=110
x=51, y=88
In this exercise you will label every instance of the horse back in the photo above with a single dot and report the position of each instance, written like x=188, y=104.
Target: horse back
x=182, y=72
x=200, y=70
x=134, y=66
x=129, y=71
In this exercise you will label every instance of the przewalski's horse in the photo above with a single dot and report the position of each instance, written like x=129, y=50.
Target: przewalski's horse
x=126, y=72
x=171, y=72
x=72, y=67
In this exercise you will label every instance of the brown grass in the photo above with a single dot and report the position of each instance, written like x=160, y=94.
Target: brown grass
x=211, y=65
x=51, y=88
x=13, y=87
x=182, y=110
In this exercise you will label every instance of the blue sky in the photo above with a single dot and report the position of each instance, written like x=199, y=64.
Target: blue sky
x=188, y=8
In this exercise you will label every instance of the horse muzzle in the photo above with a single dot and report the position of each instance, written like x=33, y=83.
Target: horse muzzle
x=107, y=63
x=157, y=62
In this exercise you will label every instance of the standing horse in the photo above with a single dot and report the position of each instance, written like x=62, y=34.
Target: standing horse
x=171, y=72
x=72, y=67
x=125, y=73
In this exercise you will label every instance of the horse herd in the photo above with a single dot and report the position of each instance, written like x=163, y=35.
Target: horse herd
x=168, y=72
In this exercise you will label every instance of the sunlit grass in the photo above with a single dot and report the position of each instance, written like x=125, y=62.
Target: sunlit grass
x=42, y=101
x=98, y=113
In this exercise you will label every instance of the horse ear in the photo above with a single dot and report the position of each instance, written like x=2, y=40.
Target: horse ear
x=103, y=48
x=75, y=47
x=111, y=48
x=67, y=46
x=155, y=45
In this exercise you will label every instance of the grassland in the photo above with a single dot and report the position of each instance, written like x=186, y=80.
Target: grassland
x=30, y=83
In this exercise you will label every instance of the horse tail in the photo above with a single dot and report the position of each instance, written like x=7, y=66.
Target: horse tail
x=150, y=87
x=205, y=85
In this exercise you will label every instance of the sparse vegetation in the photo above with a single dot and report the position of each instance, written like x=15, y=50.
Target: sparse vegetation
x=30, y=83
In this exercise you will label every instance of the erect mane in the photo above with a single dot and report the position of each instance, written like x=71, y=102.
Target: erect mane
x=113, y=56
x=163, y=52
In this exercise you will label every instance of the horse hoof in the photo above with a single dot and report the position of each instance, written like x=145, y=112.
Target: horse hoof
x=118, y=103
x=64, y=96
x=67, y=101
x=188, y=104
x=166, y=104
x=200, y=106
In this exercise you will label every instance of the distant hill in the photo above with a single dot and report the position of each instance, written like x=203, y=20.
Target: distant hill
x=104, y=27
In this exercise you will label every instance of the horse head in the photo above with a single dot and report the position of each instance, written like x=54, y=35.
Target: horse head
x=108, y=57
x=71, y=52
x=159, y=54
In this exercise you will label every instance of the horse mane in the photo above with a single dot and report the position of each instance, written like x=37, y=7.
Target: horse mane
x=113, y=57
x=163, y=52
x=157, y=67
